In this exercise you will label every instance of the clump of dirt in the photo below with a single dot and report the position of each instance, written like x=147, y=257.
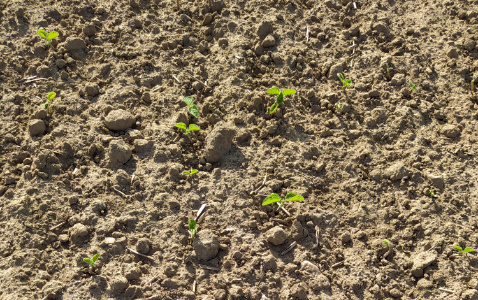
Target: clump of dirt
x=102, y=170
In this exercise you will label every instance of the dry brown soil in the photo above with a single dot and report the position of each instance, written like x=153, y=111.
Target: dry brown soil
x=102, y=171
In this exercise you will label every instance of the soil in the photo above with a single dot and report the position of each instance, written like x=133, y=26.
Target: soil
x=101, y=171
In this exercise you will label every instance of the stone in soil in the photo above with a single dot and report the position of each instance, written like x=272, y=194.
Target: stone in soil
x=143, y=245
x=421, y=261
x=397, y=171
x=78, y=232
x=119, y=151
x=74, y=43
x=36, y=127
x=119, y=284
x=206, y=245
x=119, y=119
x=276, y=235
x=218, y=142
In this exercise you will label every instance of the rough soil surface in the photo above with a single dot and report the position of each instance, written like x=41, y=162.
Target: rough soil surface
x=102, y=172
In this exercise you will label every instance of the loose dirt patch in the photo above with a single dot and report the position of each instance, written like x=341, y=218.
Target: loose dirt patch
x=102, y=173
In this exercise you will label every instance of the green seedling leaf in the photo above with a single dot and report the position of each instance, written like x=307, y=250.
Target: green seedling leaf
x=288, y=92
x=51, y=95
x=293, y=197
x=275, y=91
x=188, y=100
x=338, y=106
x=91, y=261
x=458, y=248
x=280, y=98
x=47, y=105
x=433, y=194
x=192, y=228
x=181, y=125
x=273, y=108
x=272, y=198
x=193, y=127
x=193, y=110
x=468, y=250
x=348, y=82
x=412, y=86
x=50, y=36
x=387, y=243
x=42, y=33
x=341, y=77
x=187, y=172
x=345, y=82
x=194, y=171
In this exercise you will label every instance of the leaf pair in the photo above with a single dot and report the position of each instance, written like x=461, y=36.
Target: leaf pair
x=466, y=250
x=192, y=228
x=193, y=110
x=192, y=172
x=91, y=261
x=48, y=36
x=273, y=198
x=345, y=82
x=413, y=87
x=187, y=130
x=280, y=97
x=50, y=97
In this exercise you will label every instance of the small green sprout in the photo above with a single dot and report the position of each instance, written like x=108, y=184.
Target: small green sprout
x=463, y=251
x=272, y=198
x=433, y=194
x=91, y=261
x=48, y=36
x=187, y=130
x=192, y=228
x=473, y=83
x=190, y=173
x=388, y=71
x=280, y=97
x=390, y=247
x=193, y=110
x=345, y=82
x=338, y=106
x=49, y=99
x=413, y=87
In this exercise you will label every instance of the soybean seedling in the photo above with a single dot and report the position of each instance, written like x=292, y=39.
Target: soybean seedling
x=48, y=36
x=464, y=251
x=390, y=247
x=49, y=99
x=190, y=173
x=338, y=106
x=413, y=87
x=433, y=194
x=273, y=198
x=280, y=97
x=388, y=71
x=472, y=86
x=345, y=82
x=193, y=110
x=187, y=130
x=192, y=228
x=91, y=261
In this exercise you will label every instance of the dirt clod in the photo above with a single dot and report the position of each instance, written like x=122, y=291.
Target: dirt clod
x=36, y=127
x=206, y=245
x=119, y=120
x=276, y=235
x=421, y=261
x=119, y=151
x=218, y=142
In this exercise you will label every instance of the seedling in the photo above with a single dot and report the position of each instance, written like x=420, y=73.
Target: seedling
x=390, y=247
x=190, y=173
x=433, y=194
x=413, y=87
x=472, y=87
x=187, y=130
x=91, y=261
x=273, y=198
x=463, y=251
x=193, y=110
x=192, y=228
x=388, y=71
x=48, y=36
x=345, y=82
x=338, y=106
x=280, y=97
x=49, y=97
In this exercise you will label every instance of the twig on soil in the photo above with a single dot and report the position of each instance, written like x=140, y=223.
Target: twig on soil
x=337, y=264
x=446, y=290
x=254, y=192
x=32, y=80
x=307, y=34
x=119, y=192
x=200, y=212
x=285, y=210
x=176, y=78
x=10, y=130
x=292, y=246
x=27, y=78
x=194, y=286
x=227, y=230
x=137, y=253
x=261, y=272
x=431, y=248
x=152, y=279
x=209, y=268
x=317, y=235
x=65, y=220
